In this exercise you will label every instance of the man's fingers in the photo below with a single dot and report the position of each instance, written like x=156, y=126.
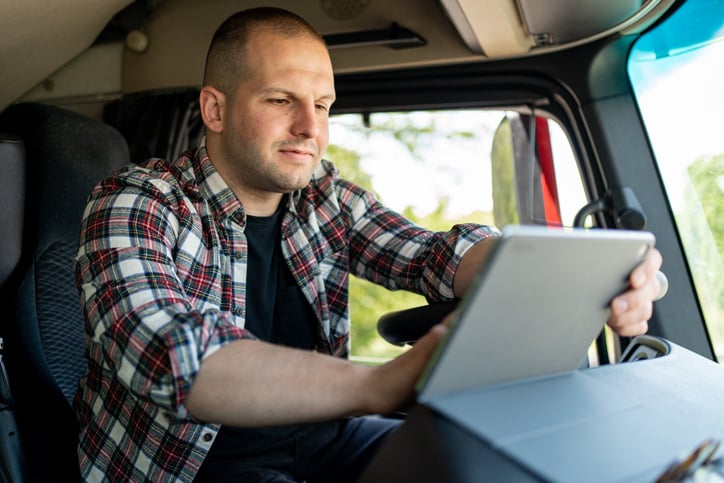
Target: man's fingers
x=631, y=310
x=647, y=269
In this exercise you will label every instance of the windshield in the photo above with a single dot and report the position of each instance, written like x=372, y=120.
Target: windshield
x=676, y=73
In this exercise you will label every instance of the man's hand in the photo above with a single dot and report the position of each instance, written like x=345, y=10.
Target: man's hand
x=631, y=310
x=392, y=386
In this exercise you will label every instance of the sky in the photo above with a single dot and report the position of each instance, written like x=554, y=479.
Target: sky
x=683, y=110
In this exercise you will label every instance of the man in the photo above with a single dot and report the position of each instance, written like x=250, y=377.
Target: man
x=215, y=286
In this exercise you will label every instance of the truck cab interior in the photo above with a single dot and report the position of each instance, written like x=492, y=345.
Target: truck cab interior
x=587, y=113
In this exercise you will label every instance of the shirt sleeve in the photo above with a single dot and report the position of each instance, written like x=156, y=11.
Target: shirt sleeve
x=388, y=249
x=138, y=316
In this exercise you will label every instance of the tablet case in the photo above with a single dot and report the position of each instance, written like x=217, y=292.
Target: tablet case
x=536, y=306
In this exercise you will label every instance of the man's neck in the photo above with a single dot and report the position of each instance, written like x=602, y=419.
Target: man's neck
x=265, y=205
x=255, y=202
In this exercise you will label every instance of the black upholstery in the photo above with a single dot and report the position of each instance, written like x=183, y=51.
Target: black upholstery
x=12, y=196
x=66, y=155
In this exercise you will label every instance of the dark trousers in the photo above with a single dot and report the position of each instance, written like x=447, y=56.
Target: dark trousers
x=335, y=451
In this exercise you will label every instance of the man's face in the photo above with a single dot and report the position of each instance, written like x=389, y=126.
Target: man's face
x=276, y=125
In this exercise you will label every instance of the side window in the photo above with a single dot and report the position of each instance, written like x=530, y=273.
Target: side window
x=439, y=168
x=675, y=71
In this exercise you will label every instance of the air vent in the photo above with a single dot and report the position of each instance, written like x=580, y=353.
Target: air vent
x=395, y=37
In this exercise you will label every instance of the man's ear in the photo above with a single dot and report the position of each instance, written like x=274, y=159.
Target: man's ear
x=213, y=104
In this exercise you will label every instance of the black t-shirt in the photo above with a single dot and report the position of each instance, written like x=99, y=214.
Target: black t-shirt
x=276, y=312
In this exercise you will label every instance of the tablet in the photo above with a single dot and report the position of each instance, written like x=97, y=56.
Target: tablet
x=535, y=307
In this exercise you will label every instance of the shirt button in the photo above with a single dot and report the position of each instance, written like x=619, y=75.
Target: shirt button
x=238, y=311
x=207, y=437
x=239, y=255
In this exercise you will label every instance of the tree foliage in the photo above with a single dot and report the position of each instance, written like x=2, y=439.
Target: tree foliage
x=415, y=134
x=707, y=177
x=705, y=195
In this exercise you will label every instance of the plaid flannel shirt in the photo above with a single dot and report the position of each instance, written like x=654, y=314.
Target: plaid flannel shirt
x=161, y=270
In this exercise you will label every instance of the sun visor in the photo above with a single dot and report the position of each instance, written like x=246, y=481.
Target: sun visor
x=485, y=25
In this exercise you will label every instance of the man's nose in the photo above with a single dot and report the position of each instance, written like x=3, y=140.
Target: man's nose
x=307, y=122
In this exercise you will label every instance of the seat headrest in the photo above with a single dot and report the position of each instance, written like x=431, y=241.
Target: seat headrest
x=67, y=154
x=12, y=197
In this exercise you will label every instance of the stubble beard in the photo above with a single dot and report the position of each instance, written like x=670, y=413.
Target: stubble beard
x=297, y=178
x=272, y=176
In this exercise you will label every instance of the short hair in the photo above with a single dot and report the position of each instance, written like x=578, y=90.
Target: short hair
x=225, y=64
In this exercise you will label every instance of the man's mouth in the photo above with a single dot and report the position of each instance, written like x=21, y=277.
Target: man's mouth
x=299, y=151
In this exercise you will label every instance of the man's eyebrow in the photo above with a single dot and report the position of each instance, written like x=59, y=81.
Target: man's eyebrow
x=280, y=90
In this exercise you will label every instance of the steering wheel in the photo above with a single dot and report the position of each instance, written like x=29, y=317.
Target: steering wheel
x=406, y=326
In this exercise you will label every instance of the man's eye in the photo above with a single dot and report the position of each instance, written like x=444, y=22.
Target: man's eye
x=322, y=107
x=278, y=102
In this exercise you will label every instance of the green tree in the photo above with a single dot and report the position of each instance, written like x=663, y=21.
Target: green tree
x=705, y=196
x=416, y=135
x=707, y=178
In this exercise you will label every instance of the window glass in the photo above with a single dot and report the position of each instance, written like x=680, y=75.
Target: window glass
x=675, y=71
x=437, y=168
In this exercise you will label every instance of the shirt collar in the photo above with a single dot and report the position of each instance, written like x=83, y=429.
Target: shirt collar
x=222, y=200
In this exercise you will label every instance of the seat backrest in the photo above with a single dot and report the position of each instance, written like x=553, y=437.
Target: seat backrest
x=67, y=154
x=12, y=197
